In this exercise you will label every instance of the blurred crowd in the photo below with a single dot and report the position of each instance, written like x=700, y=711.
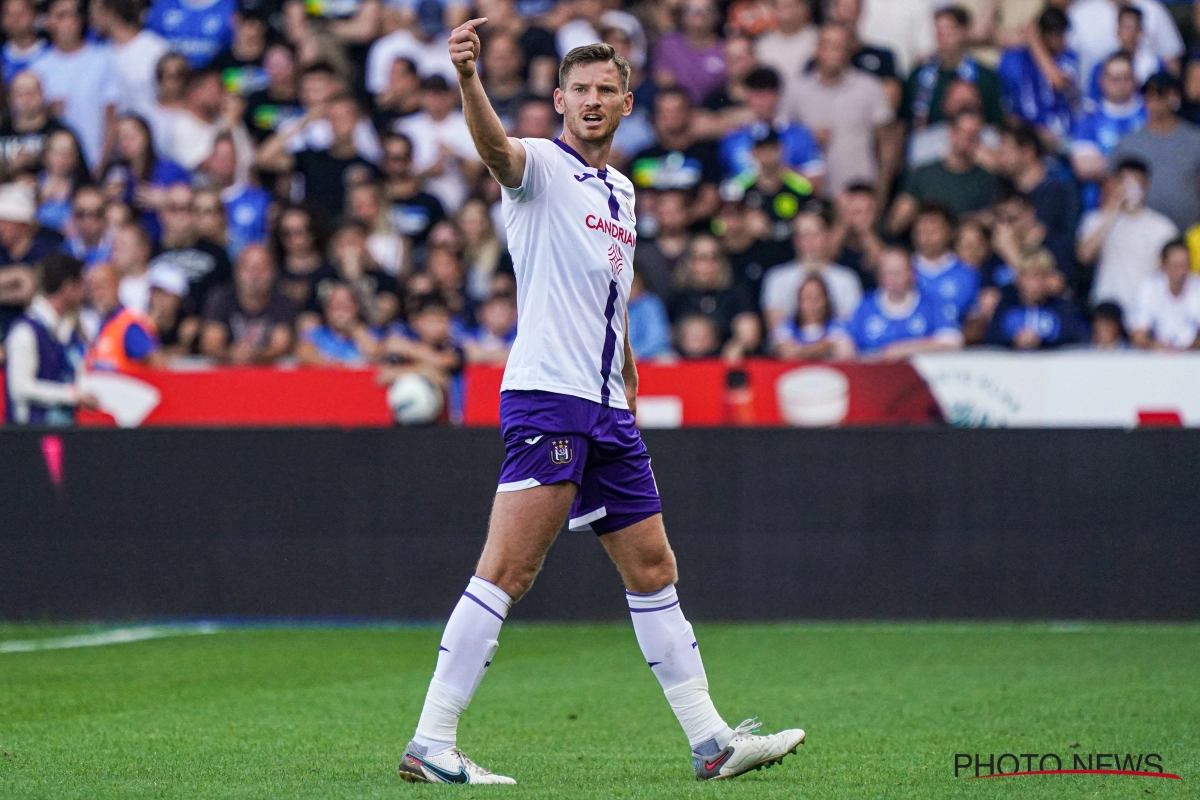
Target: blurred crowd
x=253, y=181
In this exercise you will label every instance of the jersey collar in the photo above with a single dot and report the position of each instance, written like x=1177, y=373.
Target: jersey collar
x=571, y=150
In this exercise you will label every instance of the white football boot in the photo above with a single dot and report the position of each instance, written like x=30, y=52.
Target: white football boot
x=449, y=766
x=745, y=752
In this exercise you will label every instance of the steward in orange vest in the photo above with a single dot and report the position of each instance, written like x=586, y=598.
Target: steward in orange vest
x=127, y=338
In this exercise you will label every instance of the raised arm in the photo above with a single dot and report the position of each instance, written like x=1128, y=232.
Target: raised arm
x=505, y=157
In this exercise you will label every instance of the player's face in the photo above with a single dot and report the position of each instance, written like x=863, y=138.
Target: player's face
x=593, y=101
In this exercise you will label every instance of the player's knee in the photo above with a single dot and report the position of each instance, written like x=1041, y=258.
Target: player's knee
x=655, y=570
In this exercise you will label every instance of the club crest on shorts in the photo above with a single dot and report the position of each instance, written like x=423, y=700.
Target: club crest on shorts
x=560, y=451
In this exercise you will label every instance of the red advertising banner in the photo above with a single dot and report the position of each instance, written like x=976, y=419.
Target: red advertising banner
x=702, y=393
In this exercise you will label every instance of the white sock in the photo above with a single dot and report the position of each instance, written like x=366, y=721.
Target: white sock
x=468, y=643
x=670, y=649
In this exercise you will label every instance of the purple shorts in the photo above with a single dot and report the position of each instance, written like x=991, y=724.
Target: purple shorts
x=551, y=437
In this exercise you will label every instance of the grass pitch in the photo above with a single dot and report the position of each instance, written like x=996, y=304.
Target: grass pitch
x=572, y=711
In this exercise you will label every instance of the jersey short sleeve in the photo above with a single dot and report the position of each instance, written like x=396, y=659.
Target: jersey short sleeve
x=541, y=159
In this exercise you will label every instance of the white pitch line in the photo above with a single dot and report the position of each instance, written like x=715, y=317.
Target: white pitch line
x=116, y=636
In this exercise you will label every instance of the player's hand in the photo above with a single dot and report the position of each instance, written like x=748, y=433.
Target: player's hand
x=464, y=47
x=88, y=401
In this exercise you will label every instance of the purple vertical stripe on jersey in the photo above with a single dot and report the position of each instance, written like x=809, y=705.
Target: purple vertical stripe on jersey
x=610, y=342
x=613, y=207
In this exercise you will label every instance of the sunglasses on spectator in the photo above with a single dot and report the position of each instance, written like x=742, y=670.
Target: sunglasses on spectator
x=86, y=213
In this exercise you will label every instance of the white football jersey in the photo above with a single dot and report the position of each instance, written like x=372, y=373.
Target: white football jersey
x=571, y=233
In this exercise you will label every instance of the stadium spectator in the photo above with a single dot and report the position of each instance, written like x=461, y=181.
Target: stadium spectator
x=537, y=43
x=63, y=171
x=178, y=331
x=788, y=48
x=400, y=97
x=503, y=70
x=1130, y=34
x=342, y=338
x=973, y=244
x=247, y=207
x=299, y=245
x=1171, y=148
x=199, y=29
x=442, y=150
x=377, y=292
x=742, y=232
x=137, y=176
x=857, y=242
x=878, y=61
x=1029, y=316
x=697, y=337
x=770, y=188
x=905, y=28
x=423, y=43
x=130, y=258
x=23, y=243
x=1108, y=329
x=940, y=274
x=896, y=321
x=22, y=44
x=43, y=347
x=1041, y=79
x=207, y=113
x=537, y=119
x=1123, y=240
x=657, y=255
x=412, y=211
x=444, y=267
x=425, y=345
x=1055, y=202
x=807, y=336
x=1096, y=134
x=956, y=181
x=1094, y=36
x=205, y=263
x=483, y=254
x=704, y=287
x=278, y=102
x=126, y=340
x=135, y=52
x=849, y=113
x=171, y=77
x=801, y=151
x=79, y=78
x=930, y=144
x=88, y=236
x=241, y=63
x=496, y=330
x=326, y=173
x=649, y=326
x=211, y=221
x=1166, y=315
x=365, y=204
x=814, y=246
x=26, y=126
x=250, y=320
x=677, y=160
x=922, y=103
x=691, y=58
x=729, y=102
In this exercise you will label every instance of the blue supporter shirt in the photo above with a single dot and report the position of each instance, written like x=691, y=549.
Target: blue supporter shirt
x=12, y=61
x=246, y=213
x=949, y=281
x=197, y=30
x=1102, y=129
x=1028, y=95
x=873, y=327
x=800, y=150
x=334, y=346
x=1055, y=321
x=649, y=328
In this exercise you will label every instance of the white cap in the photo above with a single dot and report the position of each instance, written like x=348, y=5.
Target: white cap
x=169, y=279
x=17, y=203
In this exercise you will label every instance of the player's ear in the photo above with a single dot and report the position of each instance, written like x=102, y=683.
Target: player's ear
x=559, y=106
x=627, y=109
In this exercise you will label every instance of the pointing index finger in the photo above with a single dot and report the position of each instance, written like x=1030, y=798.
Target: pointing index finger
x=474, y=23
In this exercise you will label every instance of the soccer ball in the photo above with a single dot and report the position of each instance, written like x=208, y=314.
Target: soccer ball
x=414, y=400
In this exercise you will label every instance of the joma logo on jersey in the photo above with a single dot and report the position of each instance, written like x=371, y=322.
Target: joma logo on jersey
x=611, y=228
x=560, y=451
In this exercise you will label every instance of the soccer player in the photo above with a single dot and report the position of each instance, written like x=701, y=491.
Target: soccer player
x=567, y=416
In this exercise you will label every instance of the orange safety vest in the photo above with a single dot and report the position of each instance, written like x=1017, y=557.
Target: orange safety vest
x=107, y=353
